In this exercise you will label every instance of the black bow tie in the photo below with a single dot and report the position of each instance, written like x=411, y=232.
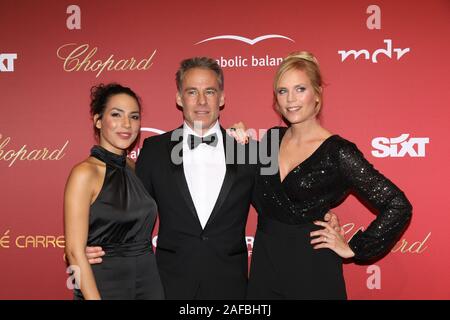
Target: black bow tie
x=194, y=141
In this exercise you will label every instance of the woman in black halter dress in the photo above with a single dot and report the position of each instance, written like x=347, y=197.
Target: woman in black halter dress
x=317, y=170
x=106, y=205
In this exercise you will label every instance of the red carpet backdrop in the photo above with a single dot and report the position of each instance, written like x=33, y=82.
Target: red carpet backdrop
x=385, y=64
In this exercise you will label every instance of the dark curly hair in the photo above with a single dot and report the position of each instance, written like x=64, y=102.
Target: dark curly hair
x=100, y=95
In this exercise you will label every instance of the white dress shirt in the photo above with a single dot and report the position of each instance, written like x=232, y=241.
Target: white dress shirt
x=204, y=168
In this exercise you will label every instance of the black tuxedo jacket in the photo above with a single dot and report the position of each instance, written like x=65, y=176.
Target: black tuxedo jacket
x=196, y=263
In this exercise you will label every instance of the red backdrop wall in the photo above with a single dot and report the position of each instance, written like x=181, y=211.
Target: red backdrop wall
x=52, y=52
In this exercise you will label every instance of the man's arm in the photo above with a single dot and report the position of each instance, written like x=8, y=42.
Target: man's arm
x=143, y=164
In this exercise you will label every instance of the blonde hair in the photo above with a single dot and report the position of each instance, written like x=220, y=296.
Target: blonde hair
x=306, y=62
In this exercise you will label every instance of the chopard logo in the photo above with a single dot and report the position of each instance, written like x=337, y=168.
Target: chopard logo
x=25, y=154
x=246, y=40
x=81, y=58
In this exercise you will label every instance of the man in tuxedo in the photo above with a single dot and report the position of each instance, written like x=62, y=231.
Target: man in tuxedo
x=203, y=192
x=203, y=202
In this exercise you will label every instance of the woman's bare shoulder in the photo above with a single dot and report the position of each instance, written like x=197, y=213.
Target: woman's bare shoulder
x=87, y=169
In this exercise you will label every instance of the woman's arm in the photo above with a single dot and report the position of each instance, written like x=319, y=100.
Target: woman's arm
x=77, y=199
x=394, y=209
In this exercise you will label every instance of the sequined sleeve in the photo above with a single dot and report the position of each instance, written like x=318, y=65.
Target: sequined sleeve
x=393, y=208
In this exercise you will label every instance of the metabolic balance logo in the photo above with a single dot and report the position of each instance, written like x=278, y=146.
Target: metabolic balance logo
x=247, y=40
x=251, y=61
x=145, y=133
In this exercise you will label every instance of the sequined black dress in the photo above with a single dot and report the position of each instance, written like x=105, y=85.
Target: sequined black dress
x=284, y=263
x=121, y=222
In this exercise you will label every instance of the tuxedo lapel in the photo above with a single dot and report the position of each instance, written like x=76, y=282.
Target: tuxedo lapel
x=230, y=175
x=178, y=174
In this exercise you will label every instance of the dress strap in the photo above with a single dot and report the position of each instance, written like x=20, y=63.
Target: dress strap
x=109, y=157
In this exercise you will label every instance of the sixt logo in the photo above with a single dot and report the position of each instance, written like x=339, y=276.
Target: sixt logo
x=399, y=147
x=7, y=62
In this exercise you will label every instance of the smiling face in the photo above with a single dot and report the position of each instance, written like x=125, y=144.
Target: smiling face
x=200, y=97
x=120, y=124
x=296, y=98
